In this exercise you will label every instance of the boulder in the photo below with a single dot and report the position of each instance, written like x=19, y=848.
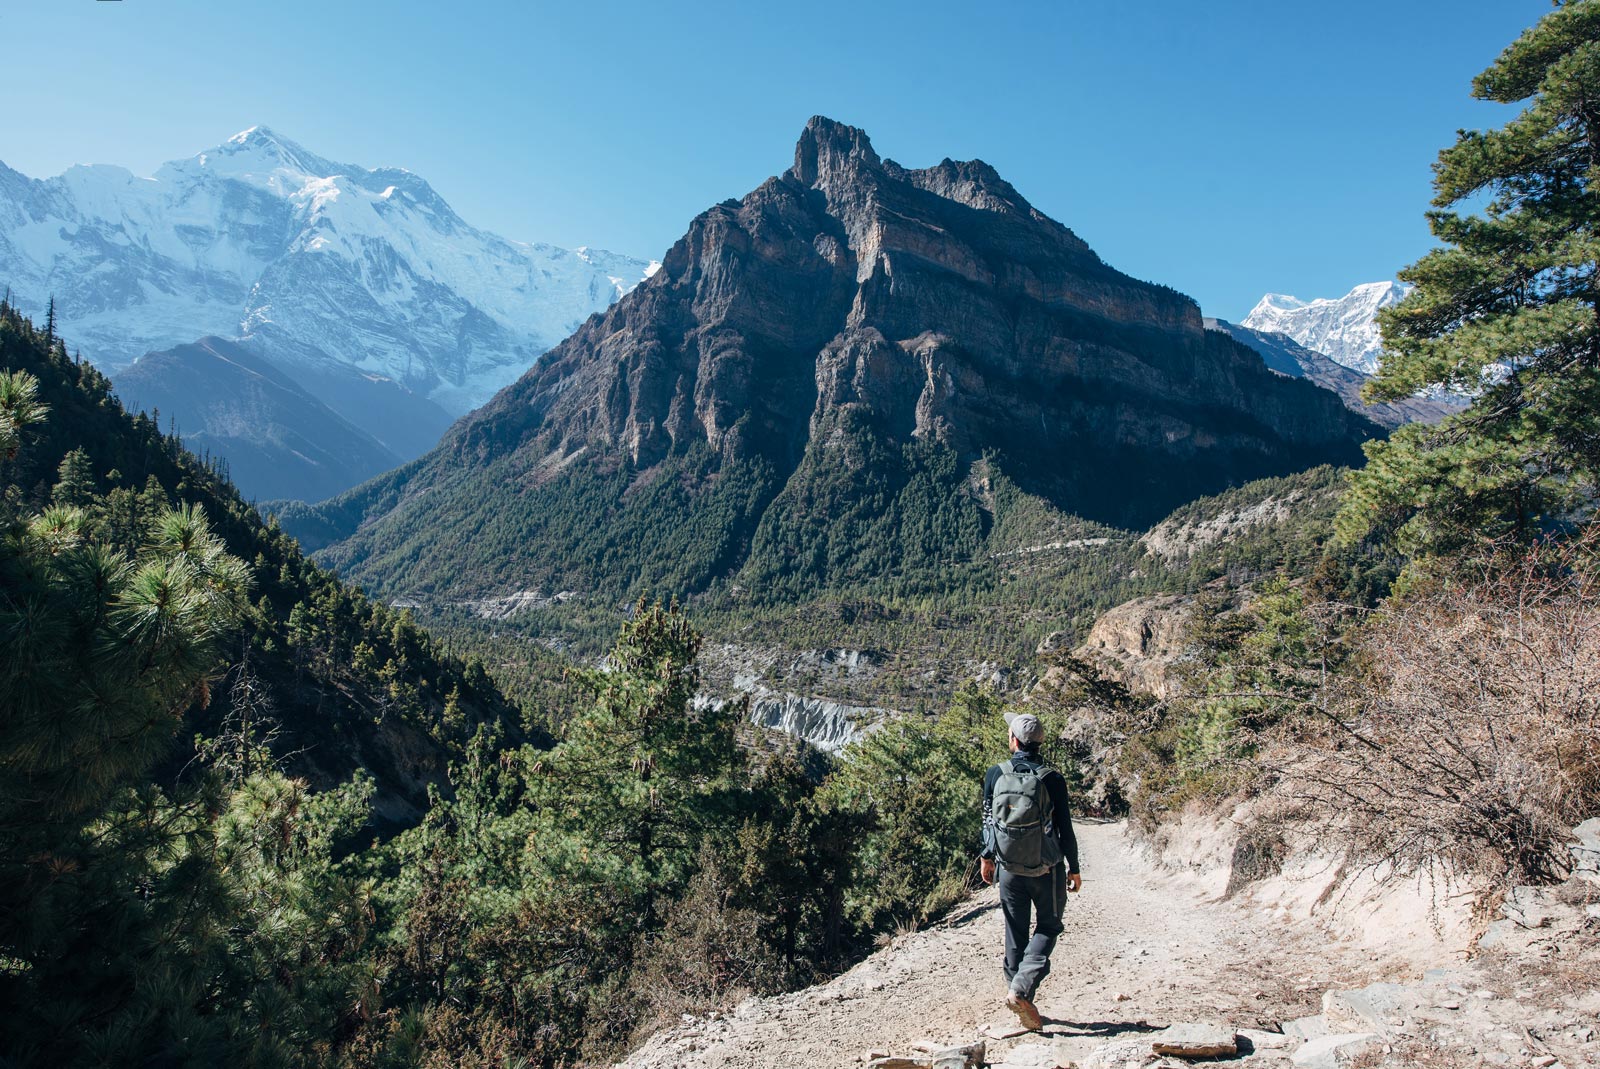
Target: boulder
x=1332, y=1052
x=968, y=1056
x=1196, y=1041
x=1010, y=1028
x=1531, y=907
x=1497, y=933
x=1032, y=1056
x=1586, y=851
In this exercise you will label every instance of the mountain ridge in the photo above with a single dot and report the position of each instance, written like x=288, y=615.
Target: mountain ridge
x=324, y=261
x=805, y=392
x=279, y=439
x=362, y=285
x=1344, y=329
x=1288, y=357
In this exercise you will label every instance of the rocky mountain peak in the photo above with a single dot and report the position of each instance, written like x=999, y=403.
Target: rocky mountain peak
x=830, y=152
x=970, y=182
x=259, y=150
x=847, y=334
x=259, y=135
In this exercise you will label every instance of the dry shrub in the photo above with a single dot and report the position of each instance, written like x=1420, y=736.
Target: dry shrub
x=708, y=956
x=1472, y=736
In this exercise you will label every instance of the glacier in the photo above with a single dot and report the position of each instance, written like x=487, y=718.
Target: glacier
x=321, y=265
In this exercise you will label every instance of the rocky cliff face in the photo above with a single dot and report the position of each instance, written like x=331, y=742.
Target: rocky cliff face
x=828, y=725
x=936, y=304
x=832, y=335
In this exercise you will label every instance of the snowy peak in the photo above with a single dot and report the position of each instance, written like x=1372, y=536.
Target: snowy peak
x=1277, y=302
x=256, y=157
x=1345, y=329
x=623, y=271
x=323, y=264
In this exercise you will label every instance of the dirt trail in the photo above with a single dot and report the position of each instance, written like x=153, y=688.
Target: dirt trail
x=1143, y=948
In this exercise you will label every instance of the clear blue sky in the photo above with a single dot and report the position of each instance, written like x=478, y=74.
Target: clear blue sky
x=1226, y=148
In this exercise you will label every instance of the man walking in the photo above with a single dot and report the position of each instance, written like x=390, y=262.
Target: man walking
x=1027, y=832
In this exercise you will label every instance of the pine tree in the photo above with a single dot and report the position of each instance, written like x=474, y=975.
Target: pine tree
x=75, y=482
x=631, y=792
x=207, y=924
x=50, y=323
x=20, y=408
x=1508, y=309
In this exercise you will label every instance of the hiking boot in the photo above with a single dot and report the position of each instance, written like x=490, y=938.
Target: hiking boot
x=1026, y=1012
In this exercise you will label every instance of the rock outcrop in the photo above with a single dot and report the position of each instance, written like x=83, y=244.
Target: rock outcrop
x=828, y=725
x=1138, y=642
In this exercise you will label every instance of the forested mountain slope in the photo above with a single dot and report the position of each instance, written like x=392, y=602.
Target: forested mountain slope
x=348, y=681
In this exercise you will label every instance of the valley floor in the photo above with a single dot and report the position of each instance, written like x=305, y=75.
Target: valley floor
x=1144, y=947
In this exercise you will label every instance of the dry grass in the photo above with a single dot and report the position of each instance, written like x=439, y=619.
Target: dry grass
x=1472, y=734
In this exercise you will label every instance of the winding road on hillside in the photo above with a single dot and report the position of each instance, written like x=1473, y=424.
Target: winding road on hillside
x=1145, y=946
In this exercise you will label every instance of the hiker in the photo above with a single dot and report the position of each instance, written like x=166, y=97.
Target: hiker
x=1027, y=832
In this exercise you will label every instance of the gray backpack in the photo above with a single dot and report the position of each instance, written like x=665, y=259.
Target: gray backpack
x=1025, y=843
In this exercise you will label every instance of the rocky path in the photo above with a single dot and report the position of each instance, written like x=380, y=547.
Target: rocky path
x=1143, y=948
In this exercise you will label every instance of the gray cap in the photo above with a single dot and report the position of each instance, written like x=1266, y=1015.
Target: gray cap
x=1025, y=727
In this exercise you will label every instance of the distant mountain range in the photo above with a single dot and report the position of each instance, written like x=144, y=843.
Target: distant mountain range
x=1288, y=357
x=279, y=439
x=855, y=372
x=1344, y=329
x=361, y=286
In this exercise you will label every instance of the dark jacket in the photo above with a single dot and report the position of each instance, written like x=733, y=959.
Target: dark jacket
x=1060, y=816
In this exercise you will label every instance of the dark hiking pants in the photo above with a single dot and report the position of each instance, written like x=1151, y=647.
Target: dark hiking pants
x=1022, y=898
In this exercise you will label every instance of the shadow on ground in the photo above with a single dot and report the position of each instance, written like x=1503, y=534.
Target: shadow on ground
x=1056, y=1027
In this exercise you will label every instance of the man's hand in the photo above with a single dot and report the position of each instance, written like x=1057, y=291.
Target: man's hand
x=986, y=869
x=1074, y=882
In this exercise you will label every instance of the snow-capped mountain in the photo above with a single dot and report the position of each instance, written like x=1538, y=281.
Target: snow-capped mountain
x=1286, y=356
x=316, y=263
x=1345, y=329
